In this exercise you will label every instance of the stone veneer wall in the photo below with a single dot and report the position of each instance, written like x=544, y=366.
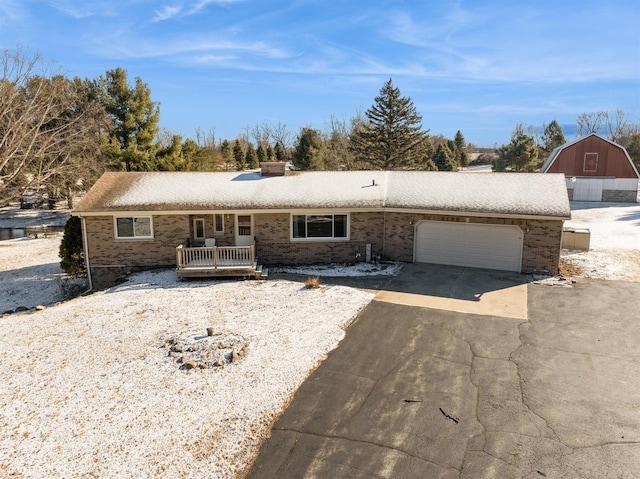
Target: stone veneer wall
x=111, y=260
x=620, y=196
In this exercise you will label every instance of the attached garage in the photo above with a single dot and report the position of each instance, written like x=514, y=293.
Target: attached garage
x=469, y=244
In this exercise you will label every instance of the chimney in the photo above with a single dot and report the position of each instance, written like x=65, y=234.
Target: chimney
x=272, y=168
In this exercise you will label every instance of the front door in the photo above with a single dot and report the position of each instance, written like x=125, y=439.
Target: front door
x=244, y=230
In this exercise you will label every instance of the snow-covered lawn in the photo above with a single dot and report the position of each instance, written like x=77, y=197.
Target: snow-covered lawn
x=88, y=388
x=615, y=240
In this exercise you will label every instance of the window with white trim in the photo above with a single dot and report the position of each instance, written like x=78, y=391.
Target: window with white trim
x=319, y=226
x=134, y=227
x=218, y=223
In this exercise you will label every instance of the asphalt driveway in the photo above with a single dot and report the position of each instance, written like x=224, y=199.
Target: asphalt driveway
x=414, y=391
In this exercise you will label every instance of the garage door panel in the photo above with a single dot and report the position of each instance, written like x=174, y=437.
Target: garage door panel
x=469, y=244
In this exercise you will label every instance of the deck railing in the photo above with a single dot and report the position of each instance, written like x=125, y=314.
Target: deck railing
x=215, y=257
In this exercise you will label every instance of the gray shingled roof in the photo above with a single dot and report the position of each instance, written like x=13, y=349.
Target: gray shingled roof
x=494, y=194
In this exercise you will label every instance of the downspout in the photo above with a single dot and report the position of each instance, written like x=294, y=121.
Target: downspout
x=86, y=253
x=384, y=233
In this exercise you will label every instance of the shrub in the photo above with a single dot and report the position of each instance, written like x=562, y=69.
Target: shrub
x=71, y=249
x=312, y=282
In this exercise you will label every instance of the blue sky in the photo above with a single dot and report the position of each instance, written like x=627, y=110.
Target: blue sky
x=226, y=65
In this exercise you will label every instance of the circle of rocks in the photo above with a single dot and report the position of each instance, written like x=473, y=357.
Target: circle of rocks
x=206, y=352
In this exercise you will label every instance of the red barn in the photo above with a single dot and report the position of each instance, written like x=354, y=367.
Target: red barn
x=596, y=169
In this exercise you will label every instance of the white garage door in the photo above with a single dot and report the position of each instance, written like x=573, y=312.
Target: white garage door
x=469, y=244
x=588, y=189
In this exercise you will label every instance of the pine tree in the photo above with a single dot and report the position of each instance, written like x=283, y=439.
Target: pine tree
x=392, y=136
x=261, y=153
x=444, y=158
x=227, y=154
x=521, y=154
x=462, y=156
x=271, y=155
x=135, y=119
x=307, y=152
x=251, y=158
x=71, y=251
x=280, y=152
x=552, y=137
x=238, y=156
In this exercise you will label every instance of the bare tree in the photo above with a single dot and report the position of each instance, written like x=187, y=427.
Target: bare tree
x=260, y=134
x=49, y=127
x=279, y=133
x=338, y=156
x=589, y=123
x=618, y=125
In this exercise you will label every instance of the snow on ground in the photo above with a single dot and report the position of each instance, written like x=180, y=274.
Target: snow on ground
x=13, y=217
x=341, y=269
x=89, y=387
x=30, y=274
x=614, y=243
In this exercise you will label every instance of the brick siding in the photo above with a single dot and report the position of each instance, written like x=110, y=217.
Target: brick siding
x=112, y=259
x=274, y=246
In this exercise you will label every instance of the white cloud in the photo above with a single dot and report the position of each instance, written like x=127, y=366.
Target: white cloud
x=200, y=4
x=166, y=13
x=80, y=10
x=10, y=11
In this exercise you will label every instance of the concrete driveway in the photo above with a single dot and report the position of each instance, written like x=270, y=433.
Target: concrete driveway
x=419, y=392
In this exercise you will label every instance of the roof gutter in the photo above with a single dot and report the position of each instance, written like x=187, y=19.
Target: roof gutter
x=475, y=214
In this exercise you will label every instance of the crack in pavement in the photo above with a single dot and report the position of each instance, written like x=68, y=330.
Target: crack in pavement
x=370, y=443
x=588, y=354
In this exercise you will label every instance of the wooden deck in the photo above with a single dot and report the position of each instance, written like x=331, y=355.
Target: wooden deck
x=218, y=261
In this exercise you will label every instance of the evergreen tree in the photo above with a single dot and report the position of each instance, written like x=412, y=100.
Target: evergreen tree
x=280, y=152
x=170, y=158
x=427, y=163
x=462, y=157
x=238, y=156
x=444, y=159
x=552, y=137
x=71, y=250
x=227, y=154
x=392, y=136
x=271, y=155
x=261, y=153
x=521, y=154
x=251, y=158
x=135, y=119
x=307, y=152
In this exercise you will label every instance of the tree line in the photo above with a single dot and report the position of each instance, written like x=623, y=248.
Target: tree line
x=58, y=134
x=528, y=148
